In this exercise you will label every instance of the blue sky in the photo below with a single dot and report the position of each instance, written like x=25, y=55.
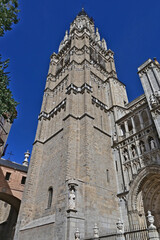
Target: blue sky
x=131, y=29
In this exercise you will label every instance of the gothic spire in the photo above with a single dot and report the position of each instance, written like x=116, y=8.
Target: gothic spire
x=83, y=13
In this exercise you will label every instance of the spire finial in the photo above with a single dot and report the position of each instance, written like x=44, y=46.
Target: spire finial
x=155, y=60
x=26, y=155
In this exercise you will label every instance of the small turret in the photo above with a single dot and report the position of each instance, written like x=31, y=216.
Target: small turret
x=26, y=157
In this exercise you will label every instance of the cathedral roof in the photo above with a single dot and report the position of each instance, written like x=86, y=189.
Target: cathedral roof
x=13, y=165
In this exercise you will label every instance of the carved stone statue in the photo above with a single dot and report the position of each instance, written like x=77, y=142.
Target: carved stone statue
x=151, y=220
x=133, y=151
x=120, y=228
x=125, y=155
x=152, y=143
x=66, y=36
x=142, y=147
x=153, y=100
x=72, y=198
x=96, y=231
x=77, y=234
x=97, y=38
x=104, y=44
x=80, y=25
x=114, y=137
x=157, y=94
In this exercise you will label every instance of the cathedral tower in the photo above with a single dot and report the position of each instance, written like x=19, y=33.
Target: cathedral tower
x=72, y=178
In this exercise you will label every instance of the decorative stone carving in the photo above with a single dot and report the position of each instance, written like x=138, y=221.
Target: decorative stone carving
x=76, y=89
x=58, y=108
x=115, y=137
x=133, y=151
x=77, y=234
x=66, y=37
x=99, y=104
x=152, y=143
x=96, y=231
x=157, y=94
x=72, y=195
x=104, y=44
x=120, y=227
x=151, y=220
x=25, y=162
x=142, y=147
x=125, y=155
x=50, y=77
x=98, y=80
x=153, y=101
x=72, y=200
x=80, y=24
x=97, y=38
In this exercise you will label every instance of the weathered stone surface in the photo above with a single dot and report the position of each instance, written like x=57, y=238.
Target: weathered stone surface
x=92, y=146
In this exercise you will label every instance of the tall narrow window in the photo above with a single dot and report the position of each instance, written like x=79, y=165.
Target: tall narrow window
x=23, y=180
x=50, y=196
x=107, y=173
x=7, y=177
x=101, y=123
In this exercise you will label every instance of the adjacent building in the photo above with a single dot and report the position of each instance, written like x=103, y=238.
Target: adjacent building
x=12, y=181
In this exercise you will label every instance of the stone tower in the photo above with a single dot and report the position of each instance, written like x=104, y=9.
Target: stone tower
x=72, y=182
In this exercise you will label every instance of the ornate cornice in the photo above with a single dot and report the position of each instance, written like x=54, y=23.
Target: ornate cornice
x=98, y=80
x=76, y=89
x=44, y=115
x=99, y=104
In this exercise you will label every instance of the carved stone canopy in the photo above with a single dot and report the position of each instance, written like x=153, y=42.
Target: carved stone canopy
x=72, y=184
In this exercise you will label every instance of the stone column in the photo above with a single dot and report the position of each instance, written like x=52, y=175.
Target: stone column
x=141, y=120
x=138, y=148
x=133, y=125
x=126, y=128
x=149, y=117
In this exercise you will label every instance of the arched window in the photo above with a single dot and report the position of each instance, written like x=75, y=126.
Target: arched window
x=50, y=196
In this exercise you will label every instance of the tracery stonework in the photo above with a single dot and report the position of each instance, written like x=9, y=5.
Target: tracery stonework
x=93, y=147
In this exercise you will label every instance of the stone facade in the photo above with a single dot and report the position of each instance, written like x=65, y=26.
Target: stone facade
x=95, y=156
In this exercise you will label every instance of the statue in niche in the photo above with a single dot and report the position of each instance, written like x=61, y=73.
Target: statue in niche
x=157, y=94
x=114, y=137
x=125, y=155
x=142, y=147
x=153, y=100
x=72, y=199
x=152, y=143
x=133, y=151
